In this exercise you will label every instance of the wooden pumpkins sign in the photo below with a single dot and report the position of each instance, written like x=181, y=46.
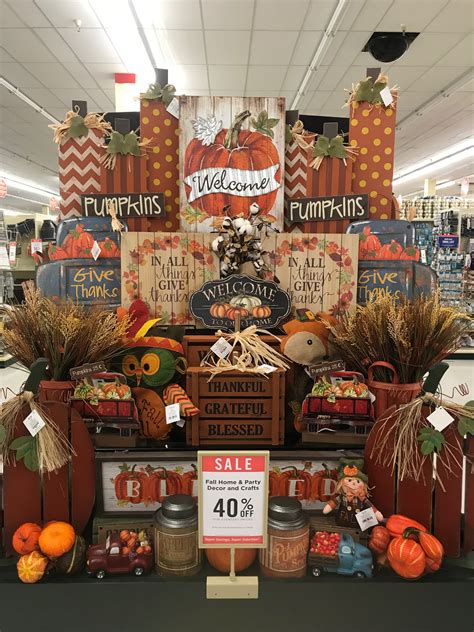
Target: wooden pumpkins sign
x=231, y=155
x=260, y=303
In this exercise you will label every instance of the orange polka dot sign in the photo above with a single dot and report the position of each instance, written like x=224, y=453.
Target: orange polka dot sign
x=231, y=158
x=372, y=130
x=162, y=171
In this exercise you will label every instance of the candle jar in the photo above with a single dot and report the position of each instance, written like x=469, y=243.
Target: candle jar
x=288, y=539
x=176, y=537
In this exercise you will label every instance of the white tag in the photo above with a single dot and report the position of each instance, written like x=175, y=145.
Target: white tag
x=12, y=252
x=372, y=397
x=440, y=419
x=386, y=95
x=36, y=245
x=173, y=108
x=172, y=414
x=95, y=250
x=366, y=519
x=268, y=368
x=34, y=423
x=221, y=348
x=423, y=255
x=181, y=422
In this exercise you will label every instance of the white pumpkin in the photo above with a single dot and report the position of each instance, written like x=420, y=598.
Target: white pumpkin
x=242, y=300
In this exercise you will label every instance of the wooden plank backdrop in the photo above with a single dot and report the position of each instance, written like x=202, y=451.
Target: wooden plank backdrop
x=225, y=109
x=319, y=271
x=163, y=269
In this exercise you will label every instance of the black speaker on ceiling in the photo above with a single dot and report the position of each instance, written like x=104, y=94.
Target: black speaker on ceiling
x=387, y=47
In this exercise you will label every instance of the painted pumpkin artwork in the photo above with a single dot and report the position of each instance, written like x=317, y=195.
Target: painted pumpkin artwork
x=372, y=249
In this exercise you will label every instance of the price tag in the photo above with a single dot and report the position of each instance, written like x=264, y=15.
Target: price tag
x=172, y=414
x=181, y=423
x=173, y=108
x=95, y=250
x=440, y=419
x=423, y=255
x=372, y=397
x=221, y=348
x=233, y=498
x=12, y=252
x=34, y=423
x=36, y=245
x=268, y=368
x=386, y=95
x=366, y=519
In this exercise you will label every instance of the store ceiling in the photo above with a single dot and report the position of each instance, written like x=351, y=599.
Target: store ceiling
x=227, y=47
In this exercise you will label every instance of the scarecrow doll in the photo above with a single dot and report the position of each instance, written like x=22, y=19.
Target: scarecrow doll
x=352, y=494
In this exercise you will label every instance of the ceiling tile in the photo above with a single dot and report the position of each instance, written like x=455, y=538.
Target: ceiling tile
x=44, y=97
x=228, y=78
x=272, y=47
x=176, y=14
x=64, y=12
x=317, y=101
x=306, y=46
x=104, y=100
x=68, y=95
x=52, y=75
x=104, y=72
x=237, y=15
x=192, y=77
x=428, y=48
x=24, y=46
x=8, y=17
x=228, y=47
x=457, y=16
x=370, y=15
x=319, y=14
x=19, y=76
x=435, y=79
x=334, y=47
x=29, y=12
x=402, y=12
x=4, y=56
x=226, y=93
x=404, y=76
x=85, y=78
x=90, y=45
x=56, y=44
x=294, y=77
x=352, y=10
x=187, y=47
x=265, y=77
x=280, y=14
x=350, y=48
x=461, y=54
x=331, y=79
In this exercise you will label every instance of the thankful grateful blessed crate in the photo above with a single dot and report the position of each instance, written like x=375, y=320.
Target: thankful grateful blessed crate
x=236, y=408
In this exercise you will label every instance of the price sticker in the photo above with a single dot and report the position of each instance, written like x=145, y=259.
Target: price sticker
x=440, y=419
x=173, y=108
x=386, y=95
x=12, y=252
x=268, y=368
x=95, y=250
x=221, y=348
x=34, y=423
x=172, y=413
x=366, y=519
x=36, y=245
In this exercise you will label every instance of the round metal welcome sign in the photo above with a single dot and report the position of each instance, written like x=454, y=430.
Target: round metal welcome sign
x=260, y=303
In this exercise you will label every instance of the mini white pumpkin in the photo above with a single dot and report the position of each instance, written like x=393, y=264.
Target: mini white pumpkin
x=242, y=300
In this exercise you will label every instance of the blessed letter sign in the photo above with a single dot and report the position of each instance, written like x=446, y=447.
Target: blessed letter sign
x=328, y=208
x=127, y=204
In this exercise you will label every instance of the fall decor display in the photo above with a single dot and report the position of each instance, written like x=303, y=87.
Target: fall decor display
x=397, y=524
x=25, y=538
x=406, y=558
x=31, y=567
x=371, y=249
x=379, y=539
x=56, y=539
x=73, y=561
x=220, y=559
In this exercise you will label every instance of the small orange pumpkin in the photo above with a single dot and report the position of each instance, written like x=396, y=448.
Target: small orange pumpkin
x=397, y=524
x=233, y=311
x=220, y=559
x=56, y=539
x=261, y=311
x=431, y=546
x=31, y=567
x=406, y=558
x=124, y=535
x=218, y=310
x=25, y=538
x=350, y=470
x=379, y=539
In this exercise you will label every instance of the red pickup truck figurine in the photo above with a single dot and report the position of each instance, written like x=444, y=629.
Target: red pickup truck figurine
x=109, y=558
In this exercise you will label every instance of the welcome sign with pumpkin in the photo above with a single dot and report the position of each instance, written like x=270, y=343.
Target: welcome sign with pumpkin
x=231, y=155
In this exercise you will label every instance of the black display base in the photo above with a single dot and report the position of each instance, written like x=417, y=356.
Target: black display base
x=442, y=601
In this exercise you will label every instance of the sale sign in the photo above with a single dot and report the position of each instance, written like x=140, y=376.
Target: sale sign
x=233, y=499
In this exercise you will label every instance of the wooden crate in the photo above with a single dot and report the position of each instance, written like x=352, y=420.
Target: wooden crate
x=102, y=527
x=196, y=347
x=318, y=522
x=236, y=408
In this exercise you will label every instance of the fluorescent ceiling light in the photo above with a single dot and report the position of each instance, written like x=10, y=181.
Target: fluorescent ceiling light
x=435, y=165
x=21, y=95
x=19, y=197
x=25, y=185
x=322, y=49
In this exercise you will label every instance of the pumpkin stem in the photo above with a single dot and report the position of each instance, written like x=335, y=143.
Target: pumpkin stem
x=410, y=531
x=231, y=140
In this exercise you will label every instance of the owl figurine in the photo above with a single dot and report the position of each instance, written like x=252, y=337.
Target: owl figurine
x=150, y=363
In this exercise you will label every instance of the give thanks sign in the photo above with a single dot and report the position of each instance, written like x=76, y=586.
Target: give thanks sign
x=319, y=271
x=164, y=269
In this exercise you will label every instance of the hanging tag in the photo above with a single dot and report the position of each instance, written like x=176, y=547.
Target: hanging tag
x=221, y=348
x=34, y=423
x=95, y=250
x=172, y=413
x=173, y=108
x=423, y=255
x=366, y=519
x=36, y=245
x=372, y=397
x=440, y=419
x=181, y=423
x=12, y=252
x=268, y=368
x=386, y=95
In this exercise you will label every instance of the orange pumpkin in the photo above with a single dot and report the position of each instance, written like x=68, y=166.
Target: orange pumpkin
x=218, y=310
x=56, y=539
x=220, y=559
x=124, y=535
x=406, y=558
x=431, y=566
x=25, y=538
x=233, y=311
x=397, y=524
x=261, y=311
x=31, y=567
x=379, y=539
x=430, y=545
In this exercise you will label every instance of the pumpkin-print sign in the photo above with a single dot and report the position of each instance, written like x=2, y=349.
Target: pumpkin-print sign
x=231, y=156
